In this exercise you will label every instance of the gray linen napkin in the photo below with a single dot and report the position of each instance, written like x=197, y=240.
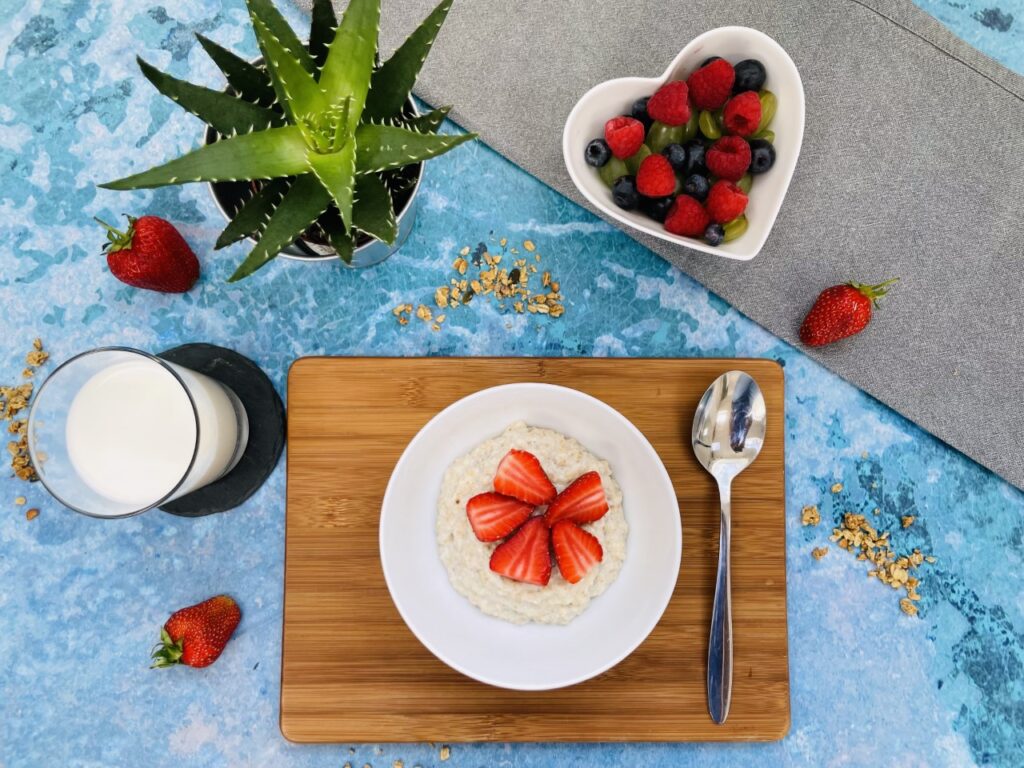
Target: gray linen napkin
x=912, y=166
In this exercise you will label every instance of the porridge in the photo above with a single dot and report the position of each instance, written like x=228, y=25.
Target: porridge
x=589, y=543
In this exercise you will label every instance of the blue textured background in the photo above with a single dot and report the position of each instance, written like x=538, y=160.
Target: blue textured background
x=81, y=600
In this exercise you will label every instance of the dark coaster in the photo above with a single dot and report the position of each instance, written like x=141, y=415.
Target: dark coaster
x=265, y=410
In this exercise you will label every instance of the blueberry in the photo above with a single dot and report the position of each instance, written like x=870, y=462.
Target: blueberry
x=639, y=112
x=676, y=155
x=714, y=234
x=750, y=76
x=656, y=207
x=697, y=186
x=708, y=60
x=695, y=158
x=762, y=156
x=624, y=193
x=597, y=153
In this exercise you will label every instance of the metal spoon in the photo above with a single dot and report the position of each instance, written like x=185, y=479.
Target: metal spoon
x=728, y=430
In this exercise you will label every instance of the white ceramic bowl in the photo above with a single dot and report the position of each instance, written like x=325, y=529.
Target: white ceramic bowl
x=615, y=97
x=530, y=656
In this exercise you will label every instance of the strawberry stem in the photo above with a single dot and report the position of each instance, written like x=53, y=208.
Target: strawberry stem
x=116, y=239
x=874, y=292
x=167, y=652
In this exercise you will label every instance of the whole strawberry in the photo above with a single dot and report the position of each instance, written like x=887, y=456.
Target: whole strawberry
x=152, y=254
x=841, y=311
x=195, y=636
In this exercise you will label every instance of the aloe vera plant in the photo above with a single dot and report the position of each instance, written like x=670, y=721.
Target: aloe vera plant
x=322, y=128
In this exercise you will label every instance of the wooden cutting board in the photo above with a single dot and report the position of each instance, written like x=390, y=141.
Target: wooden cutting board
x=351, y=671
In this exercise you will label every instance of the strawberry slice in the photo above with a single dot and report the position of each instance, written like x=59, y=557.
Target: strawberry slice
x=521, y=476
x=582, y=501
x=526, y=555
x=576, y=550
x=494, y=516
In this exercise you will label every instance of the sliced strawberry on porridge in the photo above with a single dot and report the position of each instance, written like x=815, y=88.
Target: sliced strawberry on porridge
x=583, y=501
x=526, y=555
x=576, y=551
x=521, y=476
x=494, y=516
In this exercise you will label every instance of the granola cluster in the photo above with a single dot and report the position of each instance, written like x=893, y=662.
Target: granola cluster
x=510, y=278
x=859, y=537
x=15, y=399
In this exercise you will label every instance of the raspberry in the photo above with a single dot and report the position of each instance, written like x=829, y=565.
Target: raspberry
x=686, y=217
x=728, y=158
x=711, y=85
x=624, y=136
x=655, y=177
x=669, y=104
x=742, y=114
x=725, y=202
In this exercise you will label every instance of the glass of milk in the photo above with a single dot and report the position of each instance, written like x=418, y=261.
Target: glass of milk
x=114, y=432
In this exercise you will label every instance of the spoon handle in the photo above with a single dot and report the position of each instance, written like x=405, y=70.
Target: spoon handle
x=720, y=644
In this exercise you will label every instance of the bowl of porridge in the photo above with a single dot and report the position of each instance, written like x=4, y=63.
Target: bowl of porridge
x=530, y=536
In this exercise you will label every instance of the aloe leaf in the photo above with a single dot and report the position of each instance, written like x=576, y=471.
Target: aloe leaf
x=253, y=215
x=350, y=57
x=264, y=11
x=262, y=155
x=380, y=147
x=340, y=238
x=250, y=82
x=342, y=242
x=427, y=123
x=337, y=172
x=391, y=85
x=373, y=212
x=321, y=30
x=298, y=209
x=296, y=89
x=224, y=113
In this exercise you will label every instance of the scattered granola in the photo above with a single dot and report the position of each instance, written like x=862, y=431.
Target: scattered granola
x=858, y=537
x=907, y=520
x=445, y=753
x=398, y=764
x=32, y=514
x=908, y=607
x=14, y=400
x=819, y=552
x=509, y=285
x=837, y=488
x=810, y=515
x=20, y=501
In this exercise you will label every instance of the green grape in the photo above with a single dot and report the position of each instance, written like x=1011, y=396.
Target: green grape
x=734, y=228
x=709, y=126
x=660, y=135
x=633, y=162
x=612, y=170
x=769, y=104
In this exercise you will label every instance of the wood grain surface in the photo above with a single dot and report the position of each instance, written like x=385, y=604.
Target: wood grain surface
x=351, y=671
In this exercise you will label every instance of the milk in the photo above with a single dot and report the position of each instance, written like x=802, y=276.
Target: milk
x=131, y=432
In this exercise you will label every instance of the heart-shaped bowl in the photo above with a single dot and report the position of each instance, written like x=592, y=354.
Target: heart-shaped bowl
x=615, y=97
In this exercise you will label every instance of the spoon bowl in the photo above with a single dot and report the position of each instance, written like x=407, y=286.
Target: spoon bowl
x=728, y=432
x=729, y=424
